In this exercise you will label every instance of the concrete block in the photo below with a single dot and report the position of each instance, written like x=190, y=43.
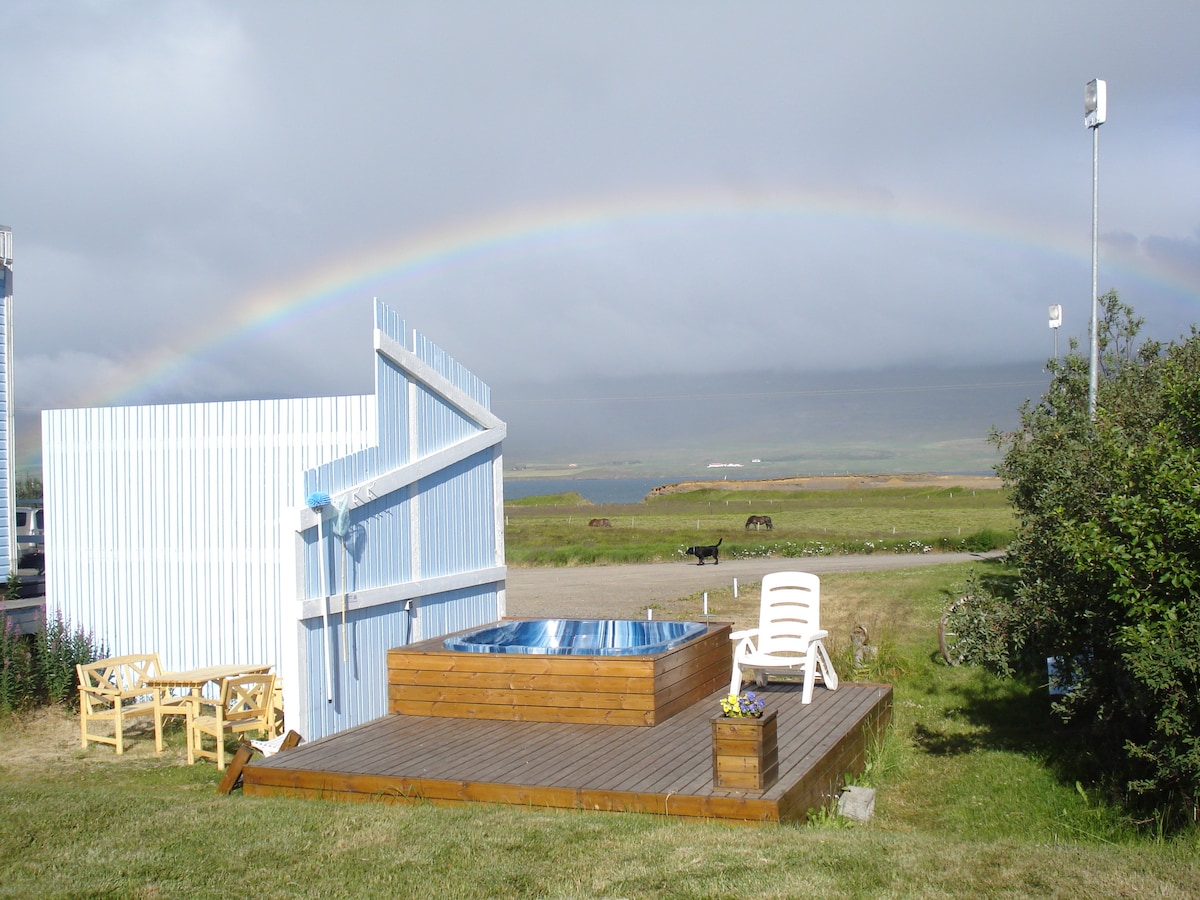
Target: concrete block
x=857, y=803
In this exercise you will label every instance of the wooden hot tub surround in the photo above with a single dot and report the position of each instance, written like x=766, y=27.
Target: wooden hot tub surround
x=425, y=679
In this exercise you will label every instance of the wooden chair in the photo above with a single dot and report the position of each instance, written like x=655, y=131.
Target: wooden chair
x=246, y=704
x=114, y=690
x=788, y=637
x=277, y=702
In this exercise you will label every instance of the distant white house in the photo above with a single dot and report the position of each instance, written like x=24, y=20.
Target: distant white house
x=184, y=529
x=8, y=556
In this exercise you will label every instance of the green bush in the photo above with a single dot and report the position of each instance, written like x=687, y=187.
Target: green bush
x=57, y=650
x=40, y=669
x=17, y=690
x=986, y=539
x=1108, y=546
x=986, y=629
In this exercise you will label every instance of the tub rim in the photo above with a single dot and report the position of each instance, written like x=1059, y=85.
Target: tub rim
x=692, y=630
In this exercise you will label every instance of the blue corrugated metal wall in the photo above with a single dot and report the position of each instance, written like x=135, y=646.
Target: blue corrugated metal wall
x=420, y=518
x=456, y=610
x=168, y=533
x=456, y=518
x=183, y=529
x=355, y=650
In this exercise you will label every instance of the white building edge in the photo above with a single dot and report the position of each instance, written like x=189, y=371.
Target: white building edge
x=8, y=557
x=184, y=529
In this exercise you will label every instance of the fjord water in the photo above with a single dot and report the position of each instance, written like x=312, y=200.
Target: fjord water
x=597, y=490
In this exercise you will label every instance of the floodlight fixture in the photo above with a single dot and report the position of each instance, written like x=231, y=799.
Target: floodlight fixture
x=1055, y=324
x=1095, y=103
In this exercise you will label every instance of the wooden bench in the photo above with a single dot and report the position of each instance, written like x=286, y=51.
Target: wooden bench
x=113, y=690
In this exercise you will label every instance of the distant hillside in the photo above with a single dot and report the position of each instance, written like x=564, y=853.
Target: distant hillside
x=894, y=420
x=842, y=482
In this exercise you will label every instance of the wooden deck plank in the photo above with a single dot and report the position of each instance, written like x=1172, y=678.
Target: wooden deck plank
x=840, y=751
x=679, y=755
x=517, y=681
x=590, y=699
x=650, y=752
x=589, y=758
x=665, y=769
x=541, y=750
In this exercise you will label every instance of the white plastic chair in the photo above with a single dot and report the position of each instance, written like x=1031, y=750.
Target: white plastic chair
x=788, y=637
x=271, y=747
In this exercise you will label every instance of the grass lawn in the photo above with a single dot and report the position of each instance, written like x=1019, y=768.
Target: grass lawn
x=549, y=531
x=973, y=800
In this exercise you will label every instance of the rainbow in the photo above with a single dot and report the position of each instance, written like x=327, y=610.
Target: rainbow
x=515, y=231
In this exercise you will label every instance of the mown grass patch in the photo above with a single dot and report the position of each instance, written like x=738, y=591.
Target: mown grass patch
x=975, y=798
x=552, y=531
x=570, y=498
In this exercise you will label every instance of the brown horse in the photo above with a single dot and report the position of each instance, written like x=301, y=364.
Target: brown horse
x=600, y=523
x=756, y=521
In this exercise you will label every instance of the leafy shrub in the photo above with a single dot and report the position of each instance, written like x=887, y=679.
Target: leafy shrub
x=16, y=669
x=57, y=650
x=986, y=629
x=40, y=668
x=985, y=540
x=1109, y=550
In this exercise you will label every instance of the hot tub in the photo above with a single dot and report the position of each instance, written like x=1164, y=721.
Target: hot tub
x=578, y=637
x=539, y=670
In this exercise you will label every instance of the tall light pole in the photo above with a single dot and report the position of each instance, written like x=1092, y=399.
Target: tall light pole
x=1095, y=109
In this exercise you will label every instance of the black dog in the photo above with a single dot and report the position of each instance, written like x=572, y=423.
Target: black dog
x=702, y=552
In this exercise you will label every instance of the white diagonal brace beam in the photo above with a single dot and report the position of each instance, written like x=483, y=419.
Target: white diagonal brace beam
x=403, y=476
x=421, y=371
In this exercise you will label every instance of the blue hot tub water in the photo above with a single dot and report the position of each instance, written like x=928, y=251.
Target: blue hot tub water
x=579, y=637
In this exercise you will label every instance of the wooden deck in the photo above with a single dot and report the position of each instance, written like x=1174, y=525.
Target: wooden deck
x=664, y=769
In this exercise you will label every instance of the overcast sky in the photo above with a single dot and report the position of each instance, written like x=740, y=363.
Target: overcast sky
x=206, y=195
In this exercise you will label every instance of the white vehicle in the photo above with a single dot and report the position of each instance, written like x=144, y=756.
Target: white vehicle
x=30, y=537
x=31, y=521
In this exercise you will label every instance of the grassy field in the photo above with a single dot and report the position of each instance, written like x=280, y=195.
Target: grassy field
x=554, y=530
x=976, y=795
x=973, y=800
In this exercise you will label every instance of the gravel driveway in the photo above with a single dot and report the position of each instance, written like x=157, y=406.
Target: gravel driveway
x=624, y=592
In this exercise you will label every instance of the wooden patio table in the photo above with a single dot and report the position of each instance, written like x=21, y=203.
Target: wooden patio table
x=193, y=681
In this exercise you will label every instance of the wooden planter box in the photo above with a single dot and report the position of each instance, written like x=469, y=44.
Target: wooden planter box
x=745, y=752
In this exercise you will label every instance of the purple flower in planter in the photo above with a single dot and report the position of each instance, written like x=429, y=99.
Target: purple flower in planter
x=747, y=706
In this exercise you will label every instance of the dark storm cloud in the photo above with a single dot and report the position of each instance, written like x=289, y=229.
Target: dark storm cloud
x=166, y=163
